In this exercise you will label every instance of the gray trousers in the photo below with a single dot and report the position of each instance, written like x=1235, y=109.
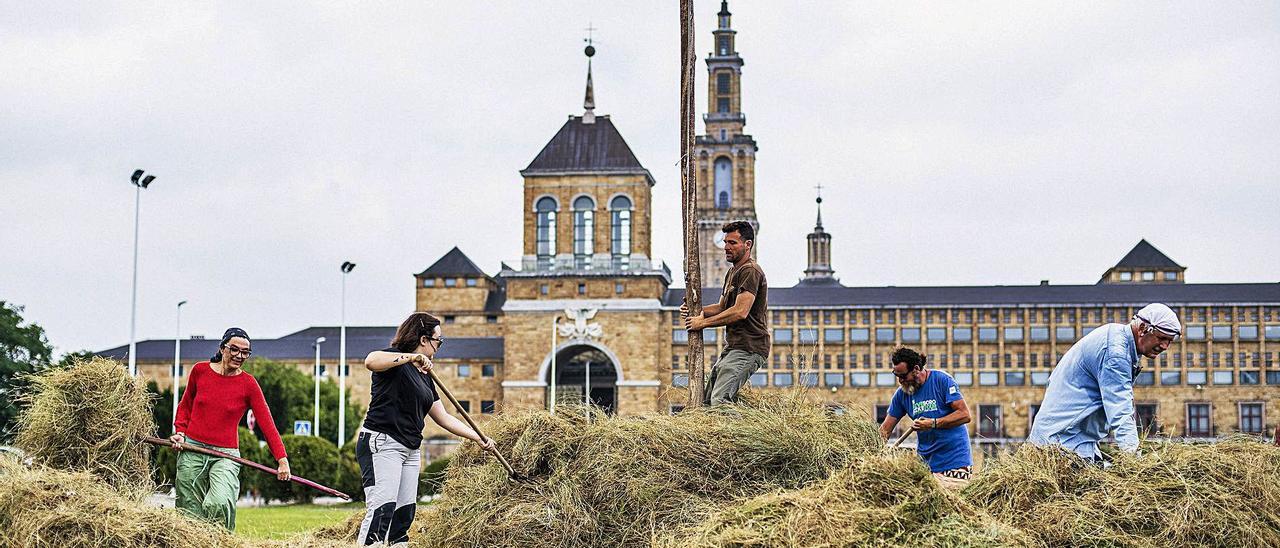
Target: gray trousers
x=729, y=374
x=389, y=474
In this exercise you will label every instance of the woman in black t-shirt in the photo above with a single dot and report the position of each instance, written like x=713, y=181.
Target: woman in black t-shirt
x=389, y=446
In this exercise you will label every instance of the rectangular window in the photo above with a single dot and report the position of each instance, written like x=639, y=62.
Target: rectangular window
x=709, y=335
x=1012, y=334
x=582, y=288
x=1223, y=377
x=860, y=378
x=680, y=380
x=471, y=282
x=464, y=370
x=1169, y=378
x=833, y=379
x=988, y=378
x=450, y=282
x=722, y=104
x=1199, y=424
x=722, y=82
x=884, y=334
x=1247, y=332
x=1065, y=333
x=1273, y=377
x=449, y=319
x=987, y=334
x=488, y=370
x=759, y=379
x=429, y=282
x=782, y=379
x=961, y=334
x=808, y=335
x=1272, y=332
x=1145, y=378
x=808, y=378
x=490, y=319
x=885, y=379
x=1039, y=378
x=1195, y=333
x=1221, y=332
x=781, y=335
x=833, y=335
x=1126, y=276
x=1039, y=334
x=937, y=334
x=859, y=335
x=1014, y=378
x=1148, y=276
x=1170, y=276
x=990, y=421
x=911, y=334
x=1145, y=415
x=1251, y=418
x=619, y=289
x=324, y=370
x=486, y=407
x=964, y=378
x=1248, y=378
x=1197, y=377
x=465, y=405
x=679, y=336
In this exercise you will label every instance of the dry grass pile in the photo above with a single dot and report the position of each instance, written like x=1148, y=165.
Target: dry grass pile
x=615, y=481
x=1175, y=494
x=90, y=417
x=889, y=499
x=42, y=507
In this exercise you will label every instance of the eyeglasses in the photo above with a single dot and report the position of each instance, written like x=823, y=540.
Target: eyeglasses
x=237, y=351
x=904, y=376
x=439, y=341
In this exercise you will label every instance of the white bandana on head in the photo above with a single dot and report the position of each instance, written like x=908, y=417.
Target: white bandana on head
x=1160, y=317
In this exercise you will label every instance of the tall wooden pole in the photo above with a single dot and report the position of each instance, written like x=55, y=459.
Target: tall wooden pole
x=689, y=199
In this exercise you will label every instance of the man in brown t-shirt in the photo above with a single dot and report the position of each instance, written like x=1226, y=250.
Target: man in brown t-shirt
x=744, y=309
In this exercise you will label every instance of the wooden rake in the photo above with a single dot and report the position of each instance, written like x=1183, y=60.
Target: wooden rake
x=246, y=462
x=511, y=472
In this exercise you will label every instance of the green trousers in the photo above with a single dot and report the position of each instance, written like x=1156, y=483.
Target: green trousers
x=729, y=374
x=208, y=487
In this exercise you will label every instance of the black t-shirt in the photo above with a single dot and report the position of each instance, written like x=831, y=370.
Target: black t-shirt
x=400, y=399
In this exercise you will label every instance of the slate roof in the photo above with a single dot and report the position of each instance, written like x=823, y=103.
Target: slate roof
x=298, y=347
x=455, y=263
x=1145, y=255
x=1006, y=295
x=586, y=148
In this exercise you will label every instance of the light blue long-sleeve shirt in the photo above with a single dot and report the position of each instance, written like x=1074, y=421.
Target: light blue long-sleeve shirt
x=1090, y=393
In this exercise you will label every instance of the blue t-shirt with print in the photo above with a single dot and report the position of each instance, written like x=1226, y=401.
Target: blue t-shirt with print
x=943, y=448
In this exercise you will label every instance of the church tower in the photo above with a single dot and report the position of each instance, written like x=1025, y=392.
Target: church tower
x=819, y=271
x=726, y=176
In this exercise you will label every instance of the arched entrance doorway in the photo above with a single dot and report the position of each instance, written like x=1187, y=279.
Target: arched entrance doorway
x=583, y=369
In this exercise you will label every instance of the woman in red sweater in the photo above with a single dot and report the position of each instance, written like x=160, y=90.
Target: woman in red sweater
x=218, y=394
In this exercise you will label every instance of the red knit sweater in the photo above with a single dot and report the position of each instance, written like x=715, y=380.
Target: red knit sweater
x=213, y=406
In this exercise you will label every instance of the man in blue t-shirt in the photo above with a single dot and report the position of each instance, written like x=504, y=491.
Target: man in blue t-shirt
x=939, y=414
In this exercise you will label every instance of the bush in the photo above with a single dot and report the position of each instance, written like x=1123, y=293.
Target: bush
x=313, y=458
x=251, y=481
x=432, y=477
x=349, y=480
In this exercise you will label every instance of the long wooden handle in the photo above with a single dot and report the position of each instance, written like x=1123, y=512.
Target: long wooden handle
x=260, y=467
x=511, y=471
x=903, y=437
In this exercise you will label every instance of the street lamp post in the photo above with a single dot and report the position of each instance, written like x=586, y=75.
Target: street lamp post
x=140, y=182
x=554, y=327
x=315, y=415
x=177, y=361
x=347, y=267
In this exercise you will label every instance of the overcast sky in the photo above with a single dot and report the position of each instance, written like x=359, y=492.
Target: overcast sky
x=959, y=143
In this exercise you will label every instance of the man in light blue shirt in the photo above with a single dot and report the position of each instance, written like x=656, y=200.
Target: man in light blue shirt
x=1090, y=393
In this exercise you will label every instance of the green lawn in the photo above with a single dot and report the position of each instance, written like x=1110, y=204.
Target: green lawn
x=279, y=522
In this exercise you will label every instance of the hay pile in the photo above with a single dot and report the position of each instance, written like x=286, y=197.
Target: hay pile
x=1176, y=494
x=90, y=417
x=779, y=471
x=41, y=506
x=615, y=481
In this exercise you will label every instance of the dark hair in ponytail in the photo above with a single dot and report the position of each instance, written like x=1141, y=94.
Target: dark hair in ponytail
x=913, y=359
x=411, y=331
x=229, y=334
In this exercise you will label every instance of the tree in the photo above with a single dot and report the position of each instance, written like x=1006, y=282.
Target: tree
x=23, y=350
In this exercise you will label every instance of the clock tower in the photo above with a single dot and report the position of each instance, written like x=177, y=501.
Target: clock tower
x=726, y=155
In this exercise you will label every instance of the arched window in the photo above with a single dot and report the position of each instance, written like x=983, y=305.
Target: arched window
x=546, y=232
x=621, y=248
x=724, y=183
x=583, y=229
